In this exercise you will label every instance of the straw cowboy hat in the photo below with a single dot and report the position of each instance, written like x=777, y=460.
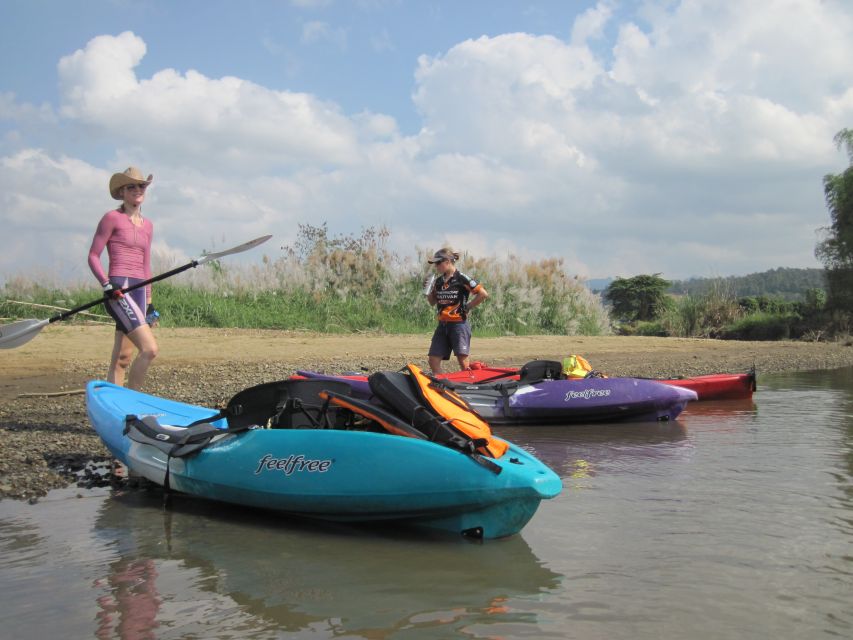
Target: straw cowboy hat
x=131, y=175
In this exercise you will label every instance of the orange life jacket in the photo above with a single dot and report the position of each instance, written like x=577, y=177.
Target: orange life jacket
x=457, y=413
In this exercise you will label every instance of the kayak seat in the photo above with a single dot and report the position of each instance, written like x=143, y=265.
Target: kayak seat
x=276, y=405
x=393, y=424
x=538, y=370
x=176, y=442
x=374, y=413
x=286, y=404
x=531, y=373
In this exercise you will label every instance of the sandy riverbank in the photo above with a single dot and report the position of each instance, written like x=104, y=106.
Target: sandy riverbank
x=207, y=366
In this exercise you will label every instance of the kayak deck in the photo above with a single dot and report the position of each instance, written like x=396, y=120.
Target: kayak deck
x=328, y=473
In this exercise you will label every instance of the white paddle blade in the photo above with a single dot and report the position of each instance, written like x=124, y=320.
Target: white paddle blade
x=251, y=244
x=18, y=333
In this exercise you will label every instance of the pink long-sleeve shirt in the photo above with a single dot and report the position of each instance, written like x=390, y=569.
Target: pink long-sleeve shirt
x=128, y=248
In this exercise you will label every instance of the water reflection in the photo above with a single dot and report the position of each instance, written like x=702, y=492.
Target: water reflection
x=256, y=569
x=842, y=381
x=720, y=408
x=813, y=391
x=579, y=450
x=131, y=603
x=20, y=545
x=734, y=522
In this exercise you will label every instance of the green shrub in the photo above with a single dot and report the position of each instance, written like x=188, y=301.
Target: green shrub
x=761, y=326
x=699, y=316
x=650, y=328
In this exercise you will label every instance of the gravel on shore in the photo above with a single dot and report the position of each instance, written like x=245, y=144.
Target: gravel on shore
x=46, y=440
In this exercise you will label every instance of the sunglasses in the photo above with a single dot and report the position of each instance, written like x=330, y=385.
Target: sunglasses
x=141, y=187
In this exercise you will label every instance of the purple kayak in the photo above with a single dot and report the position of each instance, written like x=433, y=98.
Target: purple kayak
x=560, y=401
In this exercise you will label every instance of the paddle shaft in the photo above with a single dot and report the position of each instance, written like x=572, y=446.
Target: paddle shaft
x=168, y=274
x=18, y=333
x=144, y=283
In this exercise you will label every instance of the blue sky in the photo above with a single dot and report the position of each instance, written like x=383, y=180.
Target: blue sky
x=687, y=137
x=362, y=56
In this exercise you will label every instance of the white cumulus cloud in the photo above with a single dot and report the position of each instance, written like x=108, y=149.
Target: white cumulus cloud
x=244, y=126
x=693, y=142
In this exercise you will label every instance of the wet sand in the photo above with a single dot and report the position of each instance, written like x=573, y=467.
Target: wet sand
x=44, y=431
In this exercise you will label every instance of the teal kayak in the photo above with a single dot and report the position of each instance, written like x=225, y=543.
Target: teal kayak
x=334, y=473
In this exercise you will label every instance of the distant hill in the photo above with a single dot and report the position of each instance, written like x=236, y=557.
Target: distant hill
x=787, y=283
x=597, y=285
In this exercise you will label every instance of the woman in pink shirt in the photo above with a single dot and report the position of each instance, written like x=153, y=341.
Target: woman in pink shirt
x=127, y=238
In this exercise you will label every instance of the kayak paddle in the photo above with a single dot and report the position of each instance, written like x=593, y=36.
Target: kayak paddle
x=18, y=333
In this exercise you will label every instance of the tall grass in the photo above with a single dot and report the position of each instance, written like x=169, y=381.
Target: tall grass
x=700, y=316
x=717, y=313
x=349, y=283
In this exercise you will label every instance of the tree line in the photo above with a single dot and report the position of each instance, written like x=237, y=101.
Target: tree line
x=788, y=283
x=780, y=303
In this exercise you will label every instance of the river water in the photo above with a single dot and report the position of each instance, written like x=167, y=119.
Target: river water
x=734, y=522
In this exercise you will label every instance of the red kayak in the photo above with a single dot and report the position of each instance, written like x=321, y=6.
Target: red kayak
x=718, y=386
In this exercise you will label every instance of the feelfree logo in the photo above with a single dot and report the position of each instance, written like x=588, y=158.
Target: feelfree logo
x=586, y=394
x=292, y=464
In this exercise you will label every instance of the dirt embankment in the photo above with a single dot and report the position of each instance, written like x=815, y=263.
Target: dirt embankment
x=41, y=429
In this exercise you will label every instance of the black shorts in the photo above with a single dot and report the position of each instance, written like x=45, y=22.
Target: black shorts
x=128, y=311
x=451, y=336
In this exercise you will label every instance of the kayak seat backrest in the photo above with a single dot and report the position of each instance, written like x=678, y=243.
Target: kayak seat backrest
x=286, y=404
x=393, y=424
x=395, y=390
x=305, y=407
x=497, y=388
x=382, y=417
x=537, y=370
x=176, y=442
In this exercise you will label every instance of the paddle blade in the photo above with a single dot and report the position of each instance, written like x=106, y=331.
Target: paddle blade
x=18, y=333
x=251, y=244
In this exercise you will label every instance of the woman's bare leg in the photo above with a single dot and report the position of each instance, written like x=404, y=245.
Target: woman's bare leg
x=120, y=360
x=143, y=339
